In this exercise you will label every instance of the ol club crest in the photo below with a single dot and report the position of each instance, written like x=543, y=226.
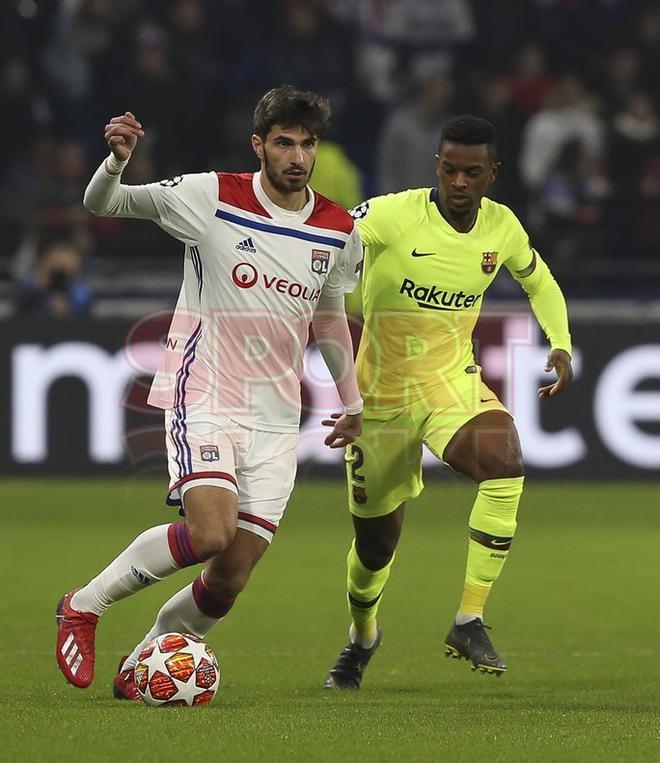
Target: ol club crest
x=209, y=453
x=320, y=260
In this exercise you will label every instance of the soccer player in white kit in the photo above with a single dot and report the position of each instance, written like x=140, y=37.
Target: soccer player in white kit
x=265, y=256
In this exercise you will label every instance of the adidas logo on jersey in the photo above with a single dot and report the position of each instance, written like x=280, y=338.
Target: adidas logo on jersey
x=246, y=245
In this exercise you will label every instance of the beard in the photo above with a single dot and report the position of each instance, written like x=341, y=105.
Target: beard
x=463, y=211
x=282, y=183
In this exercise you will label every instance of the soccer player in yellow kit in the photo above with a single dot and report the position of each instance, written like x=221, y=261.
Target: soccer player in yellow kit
x=430, y=255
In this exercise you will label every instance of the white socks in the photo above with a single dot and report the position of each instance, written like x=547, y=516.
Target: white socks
x=147, y=560
x=367, y=639
x=179, y=615
x=464, y=617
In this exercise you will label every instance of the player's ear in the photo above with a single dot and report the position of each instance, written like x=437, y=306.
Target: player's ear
x=258, y=146
x=497, y=166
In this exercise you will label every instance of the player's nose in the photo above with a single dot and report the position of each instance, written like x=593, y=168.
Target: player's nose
x=298, y=155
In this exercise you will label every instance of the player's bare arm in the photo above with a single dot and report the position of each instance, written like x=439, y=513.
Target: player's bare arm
x=559, y=361
x=121, y=134
x=334, y=341
x=346, y=428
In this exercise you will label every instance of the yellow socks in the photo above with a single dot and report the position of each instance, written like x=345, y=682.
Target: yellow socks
x=492, y=527
x=365, y=588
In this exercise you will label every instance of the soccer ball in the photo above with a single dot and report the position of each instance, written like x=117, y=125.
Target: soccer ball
x=177, y=670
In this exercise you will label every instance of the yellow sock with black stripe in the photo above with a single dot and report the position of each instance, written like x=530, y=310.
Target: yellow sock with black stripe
x=365, y=589
x=492, y=527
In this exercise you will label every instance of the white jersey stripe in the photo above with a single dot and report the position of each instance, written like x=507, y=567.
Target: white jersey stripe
x=180, y=406
x=297, y=223
x=197, y=264
x=178, y=456
x=179, y=425
x=314, y=238
x=252, y=277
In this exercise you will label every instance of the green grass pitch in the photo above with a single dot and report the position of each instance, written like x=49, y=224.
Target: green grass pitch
x=575, y=614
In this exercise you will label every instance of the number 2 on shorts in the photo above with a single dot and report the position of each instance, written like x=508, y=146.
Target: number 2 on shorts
x=357, y=463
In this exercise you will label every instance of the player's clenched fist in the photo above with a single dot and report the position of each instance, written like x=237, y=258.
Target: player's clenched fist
x=121, y=135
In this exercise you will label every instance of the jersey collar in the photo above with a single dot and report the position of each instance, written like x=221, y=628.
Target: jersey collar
x=434, y=198
x=273, y=210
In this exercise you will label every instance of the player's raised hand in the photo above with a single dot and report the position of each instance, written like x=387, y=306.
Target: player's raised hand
x=346, y=428
x=560, y=360
x=121, y=135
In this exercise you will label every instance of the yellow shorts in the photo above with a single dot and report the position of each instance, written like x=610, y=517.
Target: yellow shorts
x=384, y=465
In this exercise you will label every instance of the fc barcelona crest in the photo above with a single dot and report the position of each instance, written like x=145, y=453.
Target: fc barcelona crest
x=320, y=260
x=488, y=262
x=359, y=494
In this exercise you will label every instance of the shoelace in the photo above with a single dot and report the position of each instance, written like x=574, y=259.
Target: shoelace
x=480, y=630
x=350, y=656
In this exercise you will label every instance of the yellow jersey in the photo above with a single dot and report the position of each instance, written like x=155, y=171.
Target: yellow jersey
x=423, y=285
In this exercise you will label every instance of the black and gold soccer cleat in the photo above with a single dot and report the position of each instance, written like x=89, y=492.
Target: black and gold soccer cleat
x=351, y=663
x=471, y=642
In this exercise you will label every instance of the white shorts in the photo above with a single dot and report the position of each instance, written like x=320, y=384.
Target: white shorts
x=208, y=449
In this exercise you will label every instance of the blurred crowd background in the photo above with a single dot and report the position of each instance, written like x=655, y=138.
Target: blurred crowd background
x=572, y=86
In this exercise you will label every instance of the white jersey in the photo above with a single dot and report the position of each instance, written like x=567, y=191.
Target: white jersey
x=253, y=274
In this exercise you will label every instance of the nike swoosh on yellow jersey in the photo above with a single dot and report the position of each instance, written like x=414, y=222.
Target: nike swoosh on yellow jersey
x=415, y=253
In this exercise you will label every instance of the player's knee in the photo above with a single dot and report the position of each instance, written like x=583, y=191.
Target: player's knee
x=211, y=515
x=495, y=509
x=502, y=463
x=375, y=553
x=506, y=469
x=211, y=538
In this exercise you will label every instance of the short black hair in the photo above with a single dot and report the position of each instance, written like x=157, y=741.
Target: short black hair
x=290, y=107
x=469, y=130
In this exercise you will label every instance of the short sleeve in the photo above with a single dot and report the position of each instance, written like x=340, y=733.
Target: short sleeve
x=186, y=204
x=368, y=216
x=345, y=274
x=382, y=218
